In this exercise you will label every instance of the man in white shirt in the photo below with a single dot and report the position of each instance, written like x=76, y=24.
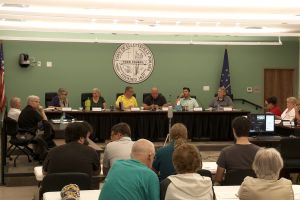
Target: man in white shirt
x=15, y=108
x=119, y=148
x=186, y=101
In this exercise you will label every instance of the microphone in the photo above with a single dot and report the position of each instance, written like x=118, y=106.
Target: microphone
x=170, y=112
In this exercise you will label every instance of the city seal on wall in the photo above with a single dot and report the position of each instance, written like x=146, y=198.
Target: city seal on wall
x=133, y=63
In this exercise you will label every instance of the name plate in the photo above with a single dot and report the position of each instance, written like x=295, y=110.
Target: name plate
x=135, y=109
x=198, y=109
x=227, y=109
x=164, y=108
x=66, y=109
x=96, y=109
x=287, y=123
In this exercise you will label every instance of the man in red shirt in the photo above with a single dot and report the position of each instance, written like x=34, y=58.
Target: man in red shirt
x=272, y=106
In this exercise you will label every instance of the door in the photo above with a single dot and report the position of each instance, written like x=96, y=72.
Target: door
x=279, y=83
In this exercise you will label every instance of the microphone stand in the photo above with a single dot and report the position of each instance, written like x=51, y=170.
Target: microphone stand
x=170, y=116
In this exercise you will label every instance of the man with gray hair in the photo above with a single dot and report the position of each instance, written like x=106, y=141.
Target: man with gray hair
x=15, y=108
x=133, y=179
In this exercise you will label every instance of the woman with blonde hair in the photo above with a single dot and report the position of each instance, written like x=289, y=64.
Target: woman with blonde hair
x=266, y=165
x=163, y=164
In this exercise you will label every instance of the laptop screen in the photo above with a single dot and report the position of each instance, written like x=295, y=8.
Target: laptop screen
x=262, y=124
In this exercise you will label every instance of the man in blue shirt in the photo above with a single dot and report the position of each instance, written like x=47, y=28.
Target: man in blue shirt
x=133, y=179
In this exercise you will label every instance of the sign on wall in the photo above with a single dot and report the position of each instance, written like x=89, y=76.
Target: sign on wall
x=133, y=63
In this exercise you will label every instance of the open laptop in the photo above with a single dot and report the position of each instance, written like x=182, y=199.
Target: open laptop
x=262, y=125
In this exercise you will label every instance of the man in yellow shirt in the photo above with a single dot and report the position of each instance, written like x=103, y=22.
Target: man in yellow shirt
x=127, y=99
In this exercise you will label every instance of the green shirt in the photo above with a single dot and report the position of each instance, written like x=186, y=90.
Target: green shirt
x=130, y=180
x=191, y=103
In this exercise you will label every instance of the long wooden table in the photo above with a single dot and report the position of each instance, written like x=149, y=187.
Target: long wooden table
x=153, y=125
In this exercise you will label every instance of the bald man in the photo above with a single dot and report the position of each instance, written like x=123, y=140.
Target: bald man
x=133, y=179
x=155, y=100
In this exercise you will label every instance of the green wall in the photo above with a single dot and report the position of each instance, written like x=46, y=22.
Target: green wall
x=81, y=66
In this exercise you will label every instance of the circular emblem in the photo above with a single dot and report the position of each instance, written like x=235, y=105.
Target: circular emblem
x=133, y=63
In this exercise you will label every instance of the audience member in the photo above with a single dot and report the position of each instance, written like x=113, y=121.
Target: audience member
x=155, y=100
x=272, y=107
x=241, y=154
x=119, y=148
x=289, y=112
x=187, y=183
x=163, y=164
x=61, y=99
x=127, y=100
x=221, y=100
x=75, y=155
x=15, y=108
x=133, y=179
x=267, y=165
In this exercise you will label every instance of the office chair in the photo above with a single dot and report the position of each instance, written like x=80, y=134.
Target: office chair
x=85, y=96
x=289, y=149
x=56, y=181
x=236, y=177
x=48, y=98
x=11, y=129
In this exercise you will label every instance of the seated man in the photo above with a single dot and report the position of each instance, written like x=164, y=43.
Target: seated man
x=61, y=99
x=30, y=120
x=155, y=100
x=221, y=100
x=119, y=148
x=187, y=183
x=75, y=155
x=15, y=108
x=241, y=154
x=133, y=179
x=186, y=101
x=127, y=100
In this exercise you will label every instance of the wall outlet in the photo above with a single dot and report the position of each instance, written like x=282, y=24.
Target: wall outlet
x=249, y=89
x=49, y=64
x=39, y=63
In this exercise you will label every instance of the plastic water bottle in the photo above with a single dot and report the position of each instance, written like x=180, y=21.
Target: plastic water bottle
x=87, y=104
x=62, y=117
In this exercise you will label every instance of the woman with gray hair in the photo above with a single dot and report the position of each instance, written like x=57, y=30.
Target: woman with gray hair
x=61, y=99
x=289, y=112
x=97, y=100
x=267, y=165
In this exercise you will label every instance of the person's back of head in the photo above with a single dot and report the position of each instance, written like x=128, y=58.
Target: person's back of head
x=241, y=126
x=178, y=134
x=143, y=150
x=121, y=128
x=272, y=100
x=15, y=102
x=76, y=132
x=187, y=159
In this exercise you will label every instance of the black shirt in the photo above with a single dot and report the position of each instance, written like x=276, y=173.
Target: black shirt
x=29, y=119
x=160, y=100
x=98, y=104
x=72, y=157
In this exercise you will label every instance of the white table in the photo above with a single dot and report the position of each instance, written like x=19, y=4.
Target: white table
x=84, y=195
x=210, y=166
x=229, y=192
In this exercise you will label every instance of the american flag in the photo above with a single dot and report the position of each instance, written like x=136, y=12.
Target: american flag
x=225, y=76
x=2, y=85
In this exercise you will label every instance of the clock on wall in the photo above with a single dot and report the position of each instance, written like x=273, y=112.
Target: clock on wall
x=133, y=63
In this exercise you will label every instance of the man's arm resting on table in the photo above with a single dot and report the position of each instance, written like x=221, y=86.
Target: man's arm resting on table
x=219, y=175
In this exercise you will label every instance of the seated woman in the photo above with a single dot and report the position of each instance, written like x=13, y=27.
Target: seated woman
x=272, y=107
x=163, y=159
x=289, y=112
x=267, y=165
x=61, y=99
x=98, y=100
x=187, y=183
x=221, y=100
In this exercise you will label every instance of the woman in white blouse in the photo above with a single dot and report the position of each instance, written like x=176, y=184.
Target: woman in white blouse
x=289, y=112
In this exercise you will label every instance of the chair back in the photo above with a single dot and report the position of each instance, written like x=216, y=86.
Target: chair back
x=56, y=181
x=85, y=96
x=289, y=148
x=193, y=96
x=48, y=98
x=10, y=126
x=119, y=94
x=236, y=177
x=205, y=172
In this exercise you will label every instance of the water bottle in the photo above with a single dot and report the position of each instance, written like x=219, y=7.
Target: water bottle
x=87, y=104
x=121, y=106
x=62, y=117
